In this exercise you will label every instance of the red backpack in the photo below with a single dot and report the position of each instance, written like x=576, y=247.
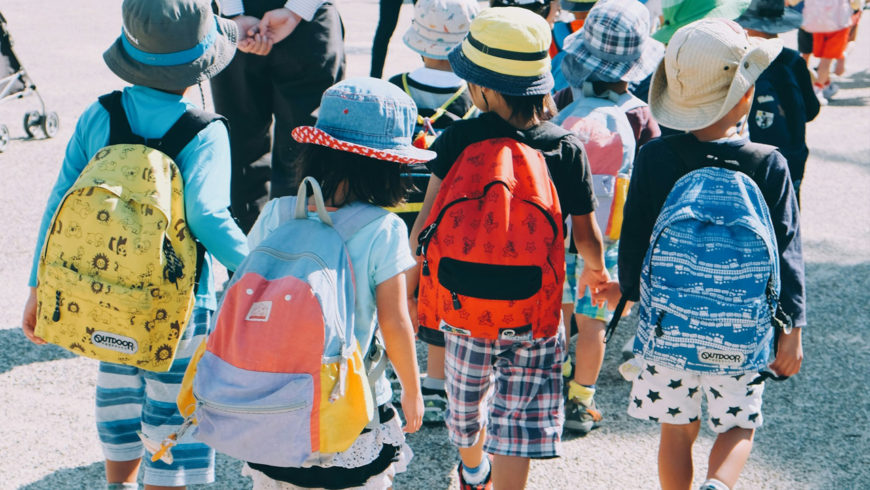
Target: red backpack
x=493, y=248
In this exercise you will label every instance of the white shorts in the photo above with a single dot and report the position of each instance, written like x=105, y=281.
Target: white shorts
x=670, y=396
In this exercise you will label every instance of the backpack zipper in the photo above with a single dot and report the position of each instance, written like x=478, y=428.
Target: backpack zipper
x=259, y=410
x=55, y=317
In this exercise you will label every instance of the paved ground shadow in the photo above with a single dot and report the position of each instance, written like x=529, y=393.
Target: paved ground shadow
x=26, y=352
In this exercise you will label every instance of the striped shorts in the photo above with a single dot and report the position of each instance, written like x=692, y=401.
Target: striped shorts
x=513, y=388
x=130, y=399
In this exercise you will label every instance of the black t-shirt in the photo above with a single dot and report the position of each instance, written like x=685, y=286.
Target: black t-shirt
x=562, y=151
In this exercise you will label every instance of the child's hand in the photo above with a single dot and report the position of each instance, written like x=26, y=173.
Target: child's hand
x=412, y=407
x=595, y=280
x=28, y=318
x=611, y=294
x=789, y=353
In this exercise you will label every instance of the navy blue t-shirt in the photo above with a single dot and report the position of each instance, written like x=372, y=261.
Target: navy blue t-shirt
x=784, y=101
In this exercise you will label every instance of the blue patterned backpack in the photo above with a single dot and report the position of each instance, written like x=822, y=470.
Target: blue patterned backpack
x=710, y=279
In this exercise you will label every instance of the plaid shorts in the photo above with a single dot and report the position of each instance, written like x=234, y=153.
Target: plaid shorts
x=513, y=388
x=130, y=399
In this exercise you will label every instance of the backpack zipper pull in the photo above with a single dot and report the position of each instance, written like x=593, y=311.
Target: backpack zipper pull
x=659, y=331
x=56, y=316
x=425, y=267
x=456, y=304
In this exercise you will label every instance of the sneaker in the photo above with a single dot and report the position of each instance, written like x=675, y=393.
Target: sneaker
x=434, y=405
x=830, y=90
x=819, y=91
x=581, y=418
x=486, y=485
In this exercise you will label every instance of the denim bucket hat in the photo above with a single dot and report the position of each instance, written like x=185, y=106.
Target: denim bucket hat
x=171, y=44
x=506, y=50
x=614, y=45
x=366, y=116
x=439, y=25
x=770, y=16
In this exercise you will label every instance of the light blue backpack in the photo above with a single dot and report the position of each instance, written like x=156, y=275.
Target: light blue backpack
x=710, y=279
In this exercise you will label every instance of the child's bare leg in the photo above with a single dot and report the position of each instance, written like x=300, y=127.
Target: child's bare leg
x=473, y=456
x=509, y=472
x=729, y=454
x=122, y=471
x=675, y=455
x=590, y=350
x=435, y=362
x=824, y=71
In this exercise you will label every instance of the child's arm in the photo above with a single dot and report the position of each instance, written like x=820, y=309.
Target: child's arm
x=789, y=353
x=398, y=333
x=587, y=239
x=206, y=172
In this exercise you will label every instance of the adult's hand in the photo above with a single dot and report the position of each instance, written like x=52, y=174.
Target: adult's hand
x=278, y=24
x=251, y=39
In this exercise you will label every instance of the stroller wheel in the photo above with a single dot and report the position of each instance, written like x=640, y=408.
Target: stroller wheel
x=50, y=124
x=31, y=120
x=4, y=137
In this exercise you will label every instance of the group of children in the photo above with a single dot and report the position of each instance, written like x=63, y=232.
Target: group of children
x=486, y=76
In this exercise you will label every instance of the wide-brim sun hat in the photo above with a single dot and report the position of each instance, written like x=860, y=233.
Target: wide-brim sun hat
x=613, y=43
x=708, y=66
x=678, y=13
x=506, y=50
x=439, y=25
x=577, y=5
x=366, y=116
x=171, y=44
x=770, y=16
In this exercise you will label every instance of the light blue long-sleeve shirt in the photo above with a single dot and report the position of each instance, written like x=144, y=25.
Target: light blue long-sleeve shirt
x=204, y=165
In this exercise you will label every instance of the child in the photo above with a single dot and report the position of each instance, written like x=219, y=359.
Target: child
x=441, y=98
x=705, y=86
x=356, y=151
x=613, y=49
x=511, y=86
x=129, y=399
x=579, y=10
x=828, y=21
x=784, y=99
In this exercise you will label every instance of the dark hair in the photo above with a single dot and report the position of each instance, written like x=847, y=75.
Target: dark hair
x=368, y=179
x=540, y=7
x=528, y=106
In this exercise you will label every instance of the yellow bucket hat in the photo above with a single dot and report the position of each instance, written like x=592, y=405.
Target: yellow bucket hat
x=506, y=49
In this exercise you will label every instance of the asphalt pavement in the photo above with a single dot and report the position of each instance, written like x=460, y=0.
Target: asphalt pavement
x=815, y=425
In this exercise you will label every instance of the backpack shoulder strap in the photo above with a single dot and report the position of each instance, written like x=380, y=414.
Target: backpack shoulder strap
x=693, y=156
x=353, y=217
x=185, y=129
x=176, y=138
x=119, y=126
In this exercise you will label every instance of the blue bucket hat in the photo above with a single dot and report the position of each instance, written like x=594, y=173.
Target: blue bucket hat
x=366, y=116
x=613, y=45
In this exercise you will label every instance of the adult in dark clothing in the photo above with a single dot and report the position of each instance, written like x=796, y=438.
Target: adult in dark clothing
x=388, y=17
x=286, y=84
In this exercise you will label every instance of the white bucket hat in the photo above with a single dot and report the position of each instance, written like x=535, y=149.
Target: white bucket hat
x=708, y=66
x=439, y=25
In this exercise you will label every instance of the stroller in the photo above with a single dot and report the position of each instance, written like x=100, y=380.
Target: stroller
x=14, y=83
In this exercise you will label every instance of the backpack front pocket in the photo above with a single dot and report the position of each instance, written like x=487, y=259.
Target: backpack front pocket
x=489, y=281
x=267, y=422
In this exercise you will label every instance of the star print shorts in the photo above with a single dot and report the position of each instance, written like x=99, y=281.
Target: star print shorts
x=670, y=396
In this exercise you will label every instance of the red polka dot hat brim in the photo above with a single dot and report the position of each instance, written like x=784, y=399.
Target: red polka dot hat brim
x=405, y=155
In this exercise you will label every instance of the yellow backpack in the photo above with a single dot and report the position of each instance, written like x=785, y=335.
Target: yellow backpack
x=118, y=270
